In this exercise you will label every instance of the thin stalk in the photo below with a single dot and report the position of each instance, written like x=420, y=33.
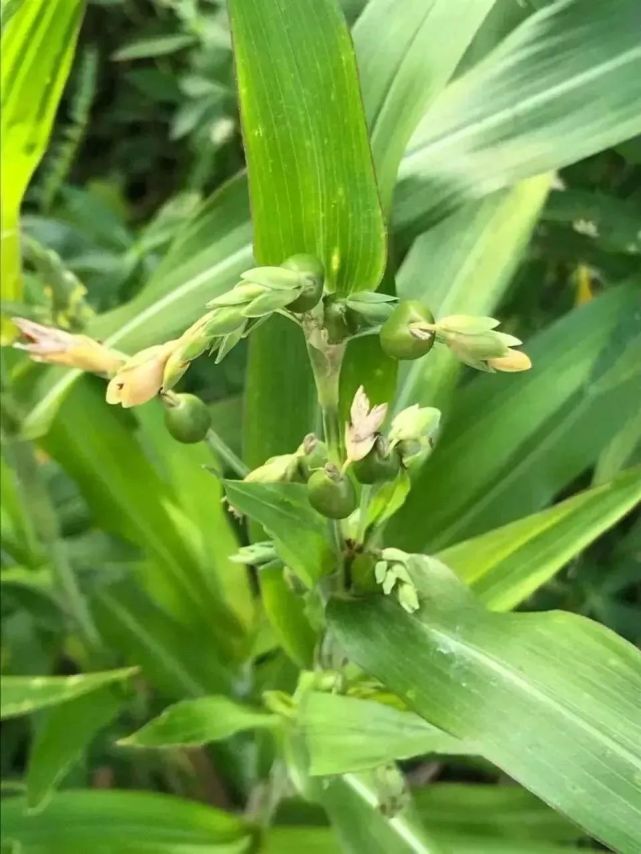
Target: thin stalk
x=326, y=366
x=222, y=451
x=366, y=495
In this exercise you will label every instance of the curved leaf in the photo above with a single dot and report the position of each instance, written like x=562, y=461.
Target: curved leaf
x=24, y=694
x=506, y=565
x=196, y=722
x=562, y=86
x=123, y=822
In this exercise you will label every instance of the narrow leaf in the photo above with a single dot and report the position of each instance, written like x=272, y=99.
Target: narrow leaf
x=115, y=821
x=535, y=104
x=506, y=565
x=24, y=694
x=65, y=734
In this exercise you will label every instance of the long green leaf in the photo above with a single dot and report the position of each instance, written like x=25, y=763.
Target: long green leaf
x=123, y=822
x=536, y=103
x=37, y=45
x=197, y=722
x=552, y=699
x=24, y=694
x=463, y=266
x=344, y=734
x=312, y=183
x=506, y=565
x=62, y=738
x=514, y=442
x=405, y=70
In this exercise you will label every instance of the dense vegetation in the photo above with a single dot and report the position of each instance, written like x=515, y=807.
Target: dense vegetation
x=348, y=569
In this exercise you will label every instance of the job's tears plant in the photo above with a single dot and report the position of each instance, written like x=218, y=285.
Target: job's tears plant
x=299, y=613
x=334, y=465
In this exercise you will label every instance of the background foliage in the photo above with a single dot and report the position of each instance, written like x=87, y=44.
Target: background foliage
x=514, y=128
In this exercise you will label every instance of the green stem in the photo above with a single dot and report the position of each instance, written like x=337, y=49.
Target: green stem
x=326, y=361
x=223, y=452
x=366, y=494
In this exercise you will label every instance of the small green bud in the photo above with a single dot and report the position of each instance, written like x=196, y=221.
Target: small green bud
x=280, y=469
x=415, y=424
x=337, y=320
x=312, y=279
x=475, y=341
x=381, y=464
x=331, y=493
x=255, y=554
x=187, y=418
x=401, y=336
x=369, y=308
x=312, y=455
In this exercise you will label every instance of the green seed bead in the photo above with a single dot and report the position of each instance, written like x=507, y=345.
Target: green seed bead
x=379, y=465
x=331, y=493
x=187, y=418
x=313, y=276
x=396, y=337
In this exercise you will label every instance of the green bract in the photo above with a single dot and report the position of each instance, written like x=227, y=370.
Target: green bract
x=313, y=278
x=397, y=338
x=331, y=492
x=187, y=418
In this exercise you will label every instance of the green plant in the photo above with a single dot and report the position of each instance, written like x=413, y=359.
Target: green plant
x=341, y=634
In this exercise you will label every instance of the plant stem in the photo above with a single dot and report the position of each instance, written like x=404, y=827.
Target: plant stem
x=223, y=452
x=326, y=361
x=366, y=494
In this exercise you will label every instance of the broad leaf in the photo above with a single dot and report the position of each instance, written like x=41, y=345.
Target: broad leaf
x=513, y=442
x=24, y=694
x=38, y=44
x=123, y=822
x=463, y=266
x=491, y=678
x=344, y=734
x=63, y=736
x=197, y=722
x=312, y=183
x=506, y=565
x=299, y=532
x=536, y=103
